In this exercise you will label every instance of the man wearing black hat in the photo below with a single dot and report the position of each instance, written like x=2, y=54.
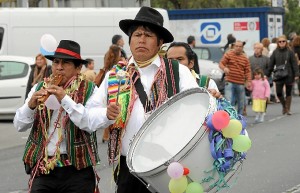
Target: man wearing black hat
x=148, y=82
x=61, y=149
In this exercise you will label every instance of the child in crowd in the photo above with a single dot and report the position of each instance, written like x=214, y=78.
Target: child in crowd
x=260, y=93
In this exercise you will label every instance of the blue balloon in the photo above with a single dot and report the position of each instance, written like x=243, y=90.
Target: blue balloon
x=45, y=53
x=243, y=121
x=209, y=122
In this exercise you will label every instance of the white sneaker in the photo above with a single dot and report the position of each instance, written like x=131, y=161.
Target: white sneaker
x=262, y=118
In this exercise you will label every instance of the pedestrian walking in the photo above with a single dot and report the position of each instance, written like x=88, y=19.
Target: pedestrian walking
x=284, y=57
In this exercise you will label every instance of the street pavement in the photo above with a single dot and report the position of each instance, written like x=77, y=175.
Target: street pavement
x=272, y=164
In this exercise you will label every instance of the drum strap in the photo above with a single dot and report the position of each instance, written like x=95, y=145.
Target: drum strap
x=141, y=92
x=172, y=72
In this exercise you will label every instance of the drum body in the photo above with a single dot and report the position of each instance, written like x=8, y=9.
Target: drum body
x=174, y=132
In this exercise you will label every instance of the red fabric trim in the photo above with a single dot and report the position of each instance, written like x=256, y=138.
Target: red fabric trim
x=64, y=51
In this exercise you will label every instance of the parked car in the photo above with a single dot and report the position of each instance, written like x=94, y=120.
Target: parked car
x=212, y=53
x=210, y=68
x=208, y=60
x=14, y=74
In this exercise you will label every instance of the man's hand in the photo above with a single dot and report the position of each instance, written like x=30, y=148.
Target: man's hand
x=248, y=85
x=59, y=92
x=33, y=102
x=226, y=70
x=113, y=110
x=215, y=93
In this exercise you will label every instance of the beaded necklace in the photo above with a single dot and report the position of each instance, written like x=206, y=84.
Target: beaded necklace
x=71, y=88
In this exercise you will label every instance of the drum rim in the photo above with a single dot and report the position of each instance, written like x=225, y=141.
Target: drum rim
x=198, y=136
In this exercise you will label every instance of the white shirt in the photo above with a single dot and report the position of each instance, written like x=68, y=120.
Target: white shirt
x=212, y=85
x=138, y=116
x=85, y=117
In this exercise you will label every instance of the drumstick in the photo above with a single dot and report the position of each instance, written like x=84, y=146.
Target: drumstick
x=54, y=81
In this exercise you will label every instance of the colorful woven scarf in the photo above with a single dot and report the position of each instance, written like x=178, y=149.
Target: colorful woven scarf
x=164, y=83
x=123, y=100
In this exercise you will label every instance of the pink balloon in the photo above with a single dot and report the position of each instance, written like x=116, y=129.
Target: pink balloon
x=175, y=170
x=220, y=120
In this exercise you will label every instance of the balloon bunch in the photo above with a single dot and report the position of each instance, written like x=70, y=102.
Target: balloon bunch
x=228, y=143
x=227, y=135
x=231, y=125
x=48, y=44
x=230, y=129
x=228, y=139
x=179, y=182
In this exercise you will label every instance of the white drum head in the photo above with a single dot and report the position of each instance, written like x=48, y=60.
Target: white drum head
x=168, y=130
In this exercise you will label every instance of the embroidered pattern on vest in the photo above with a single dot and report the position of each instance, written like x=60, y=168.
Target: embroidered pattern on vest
x=163, y=87
x=77, y=151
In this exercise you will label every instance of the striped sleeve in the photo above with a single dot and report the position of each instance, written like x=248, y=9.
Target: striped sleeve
x=239, y=68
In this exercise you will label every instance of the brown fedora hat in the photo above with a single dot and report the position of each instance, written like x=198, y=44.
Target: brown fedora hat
x=67, y=49
x=152, y=18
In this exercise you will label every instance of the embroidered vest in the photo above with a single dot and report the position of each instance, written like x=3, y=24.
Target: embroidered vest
x=77, y=139
x=165, y=85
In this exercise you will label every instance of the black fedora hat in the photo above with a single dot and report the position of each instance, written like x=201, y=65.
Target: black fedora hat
x=150, y=17
x=67, y=49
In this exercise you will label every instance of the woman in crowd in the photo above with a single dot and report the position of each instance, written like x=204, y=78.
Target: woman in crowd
x=283, y=55
x=266, y=42
x=39, y=71
x=111, y=58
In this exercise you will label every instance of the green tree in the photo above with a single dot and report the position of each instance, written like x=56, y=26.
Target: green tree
x=196, y=4
x=291, y=19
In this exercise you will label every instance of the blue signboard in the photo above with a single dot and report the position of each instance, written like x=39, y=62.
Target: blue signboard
x=210, y=33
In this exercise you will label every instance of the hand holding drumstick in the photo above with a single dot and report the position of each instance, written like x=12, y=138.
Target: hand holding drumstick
x=113, y=109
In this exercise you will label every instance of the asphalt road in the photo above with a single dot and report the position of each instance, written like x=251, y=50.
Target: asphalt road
x=272, y=164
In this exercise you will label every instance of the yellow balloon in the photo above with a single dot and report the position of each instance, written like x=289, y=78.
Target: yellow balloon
x=178, y=185
x=233, y=129
x=241, y=143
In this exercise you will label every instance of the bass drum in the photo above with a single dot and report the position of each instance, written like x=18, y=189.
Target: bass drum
x=176, y=131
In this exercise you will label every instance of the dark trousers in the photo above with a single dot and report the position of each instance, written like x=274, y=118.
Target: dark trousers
x=279, y=89
x=65, y=180
x=126, y=182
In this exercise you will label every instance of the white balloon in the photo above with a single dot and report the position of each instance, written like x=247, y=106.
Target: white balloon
x=52, y=103
x=48, y=43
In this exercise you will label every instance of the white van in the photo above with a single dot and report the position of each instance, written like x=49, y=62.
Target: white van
x=22, y=28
